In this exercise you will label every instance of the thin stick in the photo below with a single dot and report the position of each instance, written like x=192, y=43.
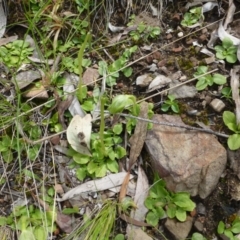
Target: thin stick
x=176, y=86
x=140, y=119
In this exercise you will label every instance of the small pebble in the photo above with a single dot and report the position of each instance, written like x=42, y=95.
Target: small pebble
x=201, y=209
x=180, y=34
x=192, y=112
x=199, y=226
x=217, y=104
x=169, y=36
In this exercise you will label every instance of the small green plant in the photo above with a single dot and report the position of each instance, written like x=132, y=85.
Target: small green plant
x=72, y=65
x=198, y=236
x=230, y=230
x=105, y=145
x=192, y=17
x=170, y=103
x=143, y=32
x=227, y=93
x=226, y=51
x=15, y=53
x=32, y=222
x=208, y=79
x=230, y=121
x=161, y=202
x=113, y=69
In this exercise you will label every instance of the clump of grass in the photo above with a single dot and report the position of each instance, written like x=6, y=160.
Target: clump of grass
x=99, y=226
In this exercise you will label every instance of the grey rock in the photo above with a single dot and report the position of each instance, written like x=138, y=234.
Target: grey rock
x=180, y=230
x=25, y=78
x=234, y=159
x=183, y=91
x=187, y=160
x=144, y=80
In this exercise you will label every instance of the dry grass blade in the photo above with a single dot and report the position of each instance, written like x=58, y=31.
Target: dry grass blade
x=235, y=90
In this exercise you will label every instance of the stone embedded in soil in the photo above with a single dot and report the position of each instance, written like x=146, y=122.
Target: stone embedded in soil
x=137, y=233
x=187, y=160
x=90, y=75
x=234, y=159
x=217, y=105
x=180, y=230
x=144, y=80
x=198, y=226
x=183, y=91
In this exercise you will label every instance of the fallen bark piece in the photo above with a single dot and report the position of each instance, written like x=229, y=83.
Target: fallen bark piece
x=187, y=160
x=107, y=182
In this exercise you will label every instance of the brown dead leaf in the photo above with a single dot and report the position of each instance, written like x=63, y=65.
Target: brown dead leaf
x=138, y=138
x=90, y=75
x=62, y=107
x=36, y=92
x=7, y=40
x=123, y=190
x=65, y=222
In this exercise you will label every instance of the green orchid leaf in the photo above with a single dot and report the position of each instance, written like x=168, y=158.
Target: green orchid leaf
x=81, y=173
x=198, y=236
x=165, y=107
x=227, y=43
x=229, y=117
x=220, y=55
x=117, y=129
x=236, y=227
x=120, y=102
x=181, y=215
x=152, y=218
x=175, y=108
x=171, y=210
x=219, y=79
x=112, y=166
x=231, y=58
x=201, y=84
x=234, y=141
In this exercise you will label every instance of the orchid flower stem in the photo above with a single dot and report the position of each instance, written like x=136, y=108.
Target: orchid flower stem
x=102, y=124
x=80, y=58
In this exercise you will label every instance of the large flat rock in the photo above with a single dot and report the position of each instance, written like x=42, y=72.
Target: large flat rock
x=187, y=160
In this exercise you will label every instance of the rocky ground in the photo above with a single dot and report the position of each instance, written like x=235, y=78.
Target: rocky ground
x=187, y=145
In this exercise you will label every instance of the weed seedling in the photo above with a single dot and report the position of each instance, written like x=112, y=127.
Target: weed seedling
x=208, y=80
x=170, y=103
x=226, y=51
